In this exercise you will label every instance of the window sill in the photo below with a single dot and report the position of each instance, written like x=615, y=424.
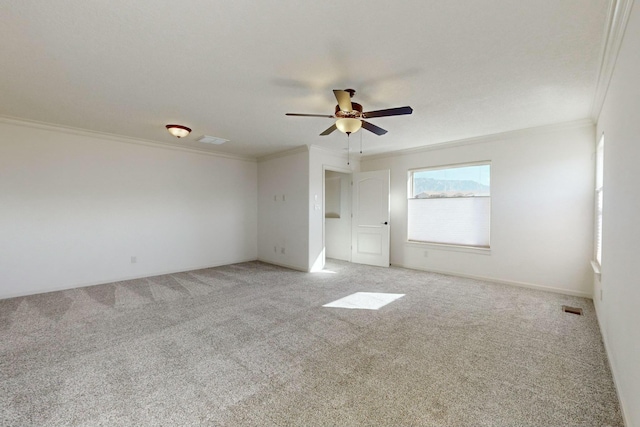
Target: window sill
x=445, y=247
x=596, y=268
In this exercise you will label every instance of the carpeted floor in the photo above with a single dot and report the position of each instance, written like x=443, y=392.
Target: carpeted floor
x=251, y=344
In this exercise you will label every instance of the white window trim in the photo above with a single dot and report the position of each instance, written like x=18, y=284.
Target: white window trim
x=448, y=247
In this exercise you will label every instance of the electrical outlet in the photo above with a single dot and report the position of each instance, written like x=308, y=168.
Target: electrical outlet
x=275, y=249
x=282, y=251
x=426, y=254
x=134, y=259
x=283, y=199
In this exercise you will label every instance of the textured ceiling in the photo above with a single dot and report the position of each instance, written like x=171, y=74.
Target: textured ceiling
x=233, y=69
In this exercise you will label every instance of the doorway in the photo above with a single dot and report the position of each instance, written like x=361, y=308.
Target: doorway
x=337, y=215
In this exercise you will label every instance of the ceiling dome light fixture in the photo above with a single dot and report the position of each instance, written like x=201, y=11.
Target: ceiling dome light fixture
x=348, y=125
x=178, y=131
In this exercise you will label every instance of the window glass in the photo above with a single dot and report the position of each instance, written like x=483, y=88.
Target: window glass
x=599, y=197
x=463, y=181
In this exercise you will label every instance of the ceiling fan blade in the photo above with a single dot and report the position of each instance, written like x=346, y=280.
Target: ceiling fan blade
x=344, y=100
x=373, y=128
x=388, y=112
x=309, y=115
x=328, y=131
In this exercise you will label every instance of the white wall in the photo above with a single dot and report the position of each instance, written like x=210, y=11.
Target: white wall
x=76, y=206
x=283, y=213
x=619, y=309
x=319, y=160
x=541, y=208
x=337, y=231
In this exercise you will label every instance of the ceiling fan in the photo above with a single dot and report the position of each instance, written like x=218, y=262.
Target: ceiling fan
x=350, y=117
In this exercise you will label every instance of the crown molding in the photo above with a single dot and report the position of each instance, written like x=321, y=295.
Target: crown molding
x=314, y=147
x=616, y=24
x=285, y=153
x=114, y=137
x=341, y=154
x=583, y=123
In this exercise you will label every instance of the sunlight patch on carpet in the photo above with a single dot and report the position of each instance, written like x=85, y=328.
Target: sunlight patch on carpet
x=364, y=300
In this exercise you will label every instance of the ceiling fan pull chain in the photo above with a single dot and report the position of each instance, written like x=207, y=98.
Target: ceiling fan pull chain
x=348, y=150
x=360, y=142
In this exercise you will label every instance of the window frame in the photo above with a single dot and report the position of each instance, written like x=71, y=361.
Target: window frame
x=439, y=245
x=598, y=206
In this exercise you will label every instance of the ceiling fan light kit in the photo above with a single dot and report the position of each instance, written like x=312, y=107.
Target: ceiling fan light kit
x=178, y=131
x=348, y=126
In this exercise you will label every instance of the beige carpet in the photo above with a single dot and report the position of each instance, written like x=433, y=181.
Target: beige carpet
x=251, y=344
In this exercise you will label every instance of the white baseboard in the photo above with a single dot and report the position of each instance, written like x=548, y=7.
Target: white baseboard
x=503, y=281
x=282, y=264
x=119, y=279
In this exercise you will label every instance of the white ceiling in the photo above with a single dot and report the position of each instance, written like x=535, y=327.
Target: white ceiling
x=232, y=69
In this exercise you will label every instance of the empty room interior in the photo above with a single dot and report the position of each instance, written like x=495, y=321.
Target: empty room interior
x=320, y=213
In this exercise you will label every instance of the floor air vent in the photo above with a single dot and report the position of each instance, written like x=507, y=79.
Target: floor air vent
x=572, y=310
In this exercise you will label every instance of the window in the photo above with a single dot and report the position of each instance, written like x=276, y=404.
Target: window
x=450, y=205
x=599, y=199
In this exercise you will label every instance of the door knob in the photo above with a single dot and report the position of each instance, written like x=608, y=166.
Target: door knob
x=385, y=223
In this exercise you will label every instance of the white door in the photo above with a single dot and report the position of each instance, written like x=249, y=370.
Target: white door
x=370, y=225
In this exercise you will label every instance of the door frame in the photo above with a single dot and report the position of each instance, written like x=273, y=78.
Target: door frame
x=345, y=171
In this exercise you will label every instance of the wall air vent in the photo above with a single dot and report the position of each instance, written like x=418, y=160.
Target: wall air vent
x=206, y=139
x=572, y=310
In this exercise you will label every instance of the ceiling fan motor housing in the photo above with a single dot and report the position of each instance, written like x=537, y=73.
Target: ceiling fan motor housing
x=355, y=113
